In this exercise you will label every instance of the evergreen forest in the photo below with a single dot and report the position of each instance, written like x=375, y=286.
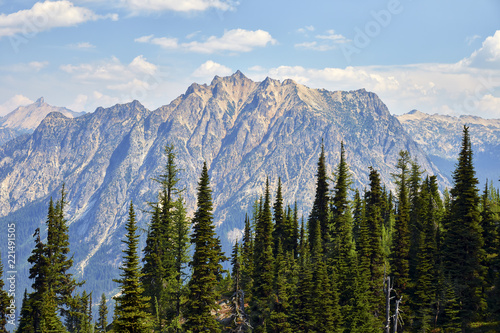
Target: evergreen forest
x=415, y=259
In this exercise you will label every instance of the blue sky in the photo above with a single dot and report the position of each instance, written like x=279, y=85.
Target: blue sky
x=435, y=56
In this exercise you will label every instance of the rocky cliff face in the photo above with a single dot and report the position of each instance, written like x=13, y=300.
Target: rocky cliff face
x=244, y=130
x=440, y=137
x=25, y=119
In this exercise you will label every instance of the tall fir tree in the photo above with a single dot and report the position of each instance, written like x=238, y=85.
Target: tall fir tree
x=130, y=311
x=343, y=254
x=102, y=319
x=247, y=260
x=427, y=276
x=263, y=262
x=400, y=251
x=279, y=230
x=463, y=243
x=205, y=264
x=371, y=252
x=320, y=210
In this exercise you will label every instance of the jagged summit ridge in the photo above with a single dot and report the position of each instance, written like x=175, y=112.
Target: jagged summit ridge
x=246, y=131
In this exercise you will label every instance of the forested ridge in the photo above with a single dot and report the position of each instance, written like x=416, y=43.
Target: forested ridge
x=363, y=260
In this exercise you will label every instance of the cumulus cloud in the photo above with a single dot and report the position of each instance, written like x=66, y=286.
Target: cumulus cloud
x=488, y=56
x=138, y=6
x=209, y=69
x=236, y=40
x=14, y=102
x=47, y=15
x=110, y=69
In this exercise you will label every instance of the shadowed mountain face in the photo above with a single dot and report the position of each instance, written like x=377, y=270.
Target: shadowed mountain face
x=244, y=130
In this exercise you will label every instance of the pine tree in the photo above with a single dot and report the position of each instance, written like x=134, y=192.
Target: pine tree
x=279, y=318
x=372, y=259
x=264, y=262
x=357, y=216
x=25, y=320
x=41, y=301
x=489, y=222
x=102, y=320
x=206, y=264
x=400, y=251
x=247, y=260
x=415, y=227
x=131, y=315
x=343, y=256
x=324, y=294
x=320, y=210
x=463, y=241
x=279, y=231
x=426, y=280
x=61, y=281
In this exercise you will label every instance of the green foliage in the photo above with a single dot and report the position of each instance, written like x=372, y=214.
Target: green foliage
x=206, y=264
x=463, y=243
x=130, y=311
x=320, y=210
x=102, y=320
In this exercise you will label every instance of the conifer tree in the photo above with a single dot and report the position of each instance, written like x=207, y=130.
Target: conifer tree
x=426, y=280
x=247, y=260
x=371, y=250
x=130, y=311
x=357, y=215
x=489, y=222
x=102, y=320
x=279, y=231
x=343, y=256
x=264, y=261
x=324, y=295
x=463, y=243
x=205, y=264
x=279, y=318
x=415, y=227
x=320, y=210
x=400, y=268
x=25, y=321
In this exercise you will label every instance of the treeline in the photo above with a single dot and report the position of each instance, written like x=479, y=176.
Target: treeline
x=368, y=261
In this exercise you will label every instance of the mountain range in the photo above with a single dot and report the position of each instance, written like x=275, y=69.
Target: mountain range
x=246, y=131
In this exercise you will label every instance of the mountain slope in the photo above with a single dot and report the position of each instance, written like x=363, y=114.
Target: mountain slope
x=244, y=130
x=440, y=137
x=25, y=119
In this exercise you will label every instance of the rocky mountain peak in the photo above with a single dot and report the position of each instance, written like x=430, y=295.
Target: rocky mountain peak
x=40, y=101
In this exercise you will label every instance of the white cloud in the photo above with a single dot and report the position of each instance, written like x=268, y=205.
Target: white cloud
x=46, y=15
x=489, y=106
x=81, y=45
x=137, y=6
x=328, y=41
x=111, y=69
x=132, y=85
x=488, y=56
x=30, y=67
x=164, y=42
x=305, y=29
x=236, y=40
x=141, y=65
x=471, y=39
x=13, y=103
x=79, y=103
x=315, y=46
x=209, y=69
